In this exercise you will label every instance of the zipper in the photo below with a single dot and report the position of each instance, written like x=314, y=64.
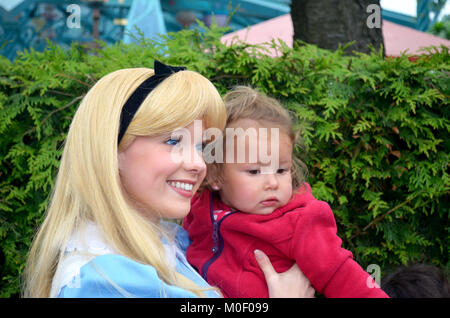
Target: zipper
x=216, y=237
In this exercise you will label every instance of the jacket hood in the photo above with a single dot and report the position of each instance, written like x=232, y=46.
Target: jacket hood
x=300, y=197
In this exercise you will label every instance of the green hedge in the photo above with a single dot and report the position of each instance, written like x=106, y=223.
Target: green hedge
x=376, y=132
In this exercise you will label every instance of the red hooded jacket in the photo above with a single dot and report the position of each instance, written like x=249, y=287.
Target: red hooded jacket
x=302, y=231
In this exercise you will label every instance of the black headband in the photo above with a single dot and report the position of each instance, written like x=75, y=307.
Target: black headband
x=130, y=108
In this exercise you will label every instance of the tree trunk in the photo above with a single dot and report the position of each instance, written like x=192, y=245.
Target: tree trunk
x=330, y=23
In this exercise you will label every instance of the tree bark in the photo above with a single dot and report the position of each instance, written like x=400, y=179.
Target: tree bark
x=330, y=23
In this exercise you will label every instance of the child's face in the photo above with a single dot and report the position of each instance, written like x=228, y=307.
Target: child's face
x=258, y=188
x=155, y=181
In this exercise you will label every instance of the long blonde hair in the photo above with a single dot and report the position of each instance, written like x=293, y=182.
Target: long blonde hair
x=88, y=187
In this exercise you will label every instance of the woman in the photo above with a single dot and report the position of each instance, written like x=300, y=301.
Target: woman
x=104, y=234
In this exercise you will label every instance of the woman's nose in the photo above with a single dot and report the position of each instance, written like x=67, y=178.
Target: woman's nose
x=195, y=162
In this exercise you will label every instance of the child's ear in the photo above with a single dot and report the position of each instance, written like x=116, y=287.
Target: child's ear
x=214, y=177
x=214, y=183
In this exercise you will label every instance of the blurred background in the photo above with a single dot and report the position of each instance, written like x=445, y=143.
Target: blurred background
x=26, y=24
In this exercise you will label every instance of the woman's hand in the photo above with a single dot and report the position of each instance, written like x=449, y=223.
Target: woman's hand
x=290, y=284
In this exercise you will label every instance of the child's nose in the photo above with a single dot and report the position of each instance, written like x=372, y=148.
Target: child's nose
x=271, y=181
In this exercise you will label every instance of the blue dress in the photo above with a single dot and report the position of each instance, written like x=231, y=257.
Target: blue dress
x=109, y=274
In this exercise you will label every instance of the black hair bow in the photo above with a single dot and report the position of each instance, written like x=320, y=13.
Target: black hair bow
x=162, y=71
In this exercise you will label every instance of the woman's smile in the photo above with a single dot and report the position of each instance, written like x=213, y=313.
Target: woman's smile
x=152, y=178
x=182, y=187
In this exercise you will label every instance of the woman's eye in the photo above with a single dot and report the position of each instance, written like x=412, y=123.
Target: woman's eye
x=173, y=141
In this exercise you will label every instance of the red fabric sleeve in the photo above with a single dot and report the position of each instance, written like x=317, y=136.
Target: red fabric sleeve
x=318, y=252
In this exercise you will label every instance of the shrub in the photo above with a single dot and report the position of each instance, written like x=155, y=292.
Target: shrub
x=376, y=134
x=442, y=28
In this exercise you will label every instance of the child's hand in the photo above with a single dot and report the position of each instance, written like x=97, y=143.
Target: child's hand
x=290, y=284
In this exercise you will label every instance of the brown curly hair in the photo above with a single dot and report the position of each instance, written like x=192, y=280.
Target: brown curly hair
x=244, y=102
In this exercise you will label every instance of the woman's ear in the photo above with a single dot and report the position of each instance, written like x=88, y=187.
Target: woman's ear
x=120, y=160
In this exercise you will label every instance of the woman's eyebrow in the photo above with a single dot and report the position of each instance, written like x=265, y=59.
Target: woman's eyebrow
x=175, y=132
x=162, y=135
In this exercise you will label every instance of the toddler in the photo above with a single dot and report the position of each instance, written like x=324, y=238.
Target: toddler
x=253, y=205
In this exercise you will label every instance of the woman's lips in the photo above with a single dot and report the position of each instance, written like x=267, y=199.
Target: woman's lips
x=183, y=192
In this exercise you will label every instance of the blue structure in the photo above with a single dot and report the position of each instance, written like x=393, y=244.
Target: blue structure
x=29, y=23
x=421, y=21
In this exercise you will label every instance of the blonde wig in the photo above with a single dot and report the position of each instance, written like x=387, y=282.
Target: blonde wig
x=244, y=102
x=88, y=187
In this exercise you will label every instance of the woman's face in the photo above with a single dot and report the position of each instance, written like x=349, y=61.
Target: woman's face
x=160, y=174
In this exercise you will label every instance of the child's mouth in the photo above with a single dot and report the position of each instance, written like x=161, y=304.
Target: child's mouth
x=270, y=202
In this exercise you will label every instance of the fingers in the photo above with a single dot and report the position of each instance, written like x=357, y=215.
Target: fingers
x=304, y=285
x=294, y=268
x=290, y=284
x=265, y=264
x=310, y=292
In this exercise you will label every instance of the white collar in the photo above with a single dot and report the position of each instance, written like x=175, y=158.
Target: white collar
x=83, y=246
x=90, y=239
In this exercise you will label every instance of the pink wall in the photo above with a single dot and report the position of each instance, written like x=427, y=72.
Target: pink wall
x=397, y=38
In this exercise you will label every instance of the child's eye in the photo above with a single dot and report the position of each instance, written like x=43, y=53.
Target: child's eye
x=173, y=141
x=254, y=171
x=281, y=171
